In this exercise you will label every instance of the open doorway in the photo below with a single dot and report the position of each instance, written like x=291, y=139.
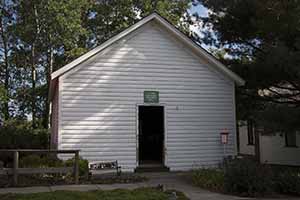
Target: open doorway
x=151, y=135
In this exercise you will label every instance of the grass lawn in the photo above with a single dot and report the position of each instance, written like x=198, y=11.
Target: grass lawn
x=49, y=180
x=120, y=194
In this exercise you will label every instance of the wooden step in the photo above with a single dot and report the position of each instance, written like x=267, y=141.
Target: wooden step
x=152, y=168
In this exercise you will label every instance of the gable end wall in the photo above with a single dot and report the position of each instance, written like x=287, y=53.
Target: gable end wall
x=99, y=102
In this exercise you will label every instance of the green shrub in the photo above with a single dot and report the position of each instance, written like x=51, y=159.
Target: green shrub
x=31, y=161
x=247, y=177
x=287, y=180
x=83, y=165
x=53, y=161
x=212, y=179
x=38, y=161
x=18, y=134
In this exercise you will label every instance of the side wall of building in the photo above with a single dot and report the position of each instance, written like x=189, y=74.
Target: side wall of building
x=245, y=147
x=54, y=119
x=99, y=102
x=273, y=149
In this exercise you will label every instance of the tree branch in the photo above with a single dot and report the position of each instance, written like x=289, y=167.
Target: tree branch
x=251, y=45
x=294, y=102
x=285, y=88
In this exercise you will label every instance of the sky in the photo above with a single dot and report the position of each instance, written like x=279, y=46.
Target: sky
x=202, y=12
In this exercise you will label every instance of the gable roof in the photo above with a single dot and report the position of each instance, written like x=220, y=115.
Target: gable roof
x=163, y=22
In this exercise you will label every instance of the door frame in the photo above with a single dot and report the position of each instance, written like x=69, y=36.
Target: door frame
x=164, y=107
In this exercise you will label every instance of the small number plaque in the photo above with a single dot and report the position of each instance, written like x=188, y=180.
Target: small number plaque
x=151, y=97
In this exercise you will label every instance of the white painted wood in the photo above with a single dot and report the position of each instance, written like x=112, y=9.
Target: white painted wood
x=272, y=148
x=96, y=50
x=245, y=148
x=98, y=102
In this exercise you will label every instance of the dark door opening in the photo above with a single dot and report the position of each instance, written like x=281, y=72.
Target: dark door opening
x=151, y=134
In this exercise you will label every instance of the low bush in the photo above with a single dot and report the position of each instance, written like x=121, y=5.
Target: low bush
x=212, y=179
x=19, y=134
x=31, y=161
x=243, y=177
x=53, y=161
x=287, y=180
x=83, y=165
x=247, y=177
x=41, y=161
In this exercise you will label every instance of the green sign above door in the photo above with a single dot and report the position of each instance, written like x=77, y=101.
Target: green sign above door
x=151, y=97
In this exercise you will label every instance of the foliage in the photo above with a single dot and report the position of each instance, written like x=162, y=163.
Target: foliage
x=52, y=161
x=38, y=37
x=111, y=17
x=40, y=161
x=43, y=30
x=212, y=179
x=6, y=37
x=287, y=180
x=44, y=161
x=261, y=41
x=279, y=118
x=247, y=177
x=83, y=165
x=136, y=194
x=174, y=11
x=19, y=134
x=31, y=161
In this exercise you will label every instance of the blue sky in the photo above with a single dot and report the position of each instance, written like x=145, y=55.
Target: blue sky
x=201, y=10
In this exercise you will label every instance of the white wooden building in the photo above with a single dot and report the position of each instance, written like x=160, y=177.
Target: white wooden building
x=148, y=95
x=277, y=148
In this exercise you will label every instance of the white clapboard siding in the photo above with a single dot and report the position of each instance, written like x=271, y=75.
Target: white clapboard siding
x=98, y=102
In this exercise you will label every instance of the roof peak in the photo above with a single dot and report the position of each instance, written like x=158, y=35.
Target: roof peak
x=165, y=23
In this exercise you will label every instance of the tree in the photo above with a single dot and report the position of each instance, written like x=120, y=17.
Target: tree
x=262, y=43
x=28, y=26
x=109, y=17
x=174, y=11
x=262, y=39
x=46, y=28
x=63, y=31
x=7, y=10
x=38, y=37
